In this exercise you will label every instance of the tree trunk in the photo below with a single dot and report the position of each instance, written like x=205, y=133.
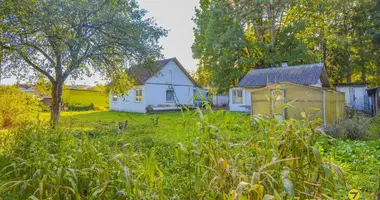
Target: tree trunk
x=271, y=23
x=362, y=62
x=55, y=111
x=347, y=63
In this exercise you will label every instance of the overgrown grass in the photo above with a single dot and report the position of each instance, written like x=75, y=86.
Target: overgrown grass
x=194, y=155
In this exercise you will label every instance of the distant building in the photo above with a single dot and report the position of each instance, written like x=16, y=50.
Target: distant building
x=47, y=100
x=374, y=100
x=356, y=96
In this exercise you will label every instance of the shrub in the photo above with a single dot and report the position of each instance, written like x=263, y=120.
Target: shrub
x=355, y=128
x=44, y=107
x=80, y=107
x=16, y=107
x=374, y=128
x=100, y=108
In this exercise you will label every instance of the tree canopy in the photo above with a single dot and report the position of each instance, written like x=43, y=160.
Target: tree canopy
x=235, y=36
x=62, y=38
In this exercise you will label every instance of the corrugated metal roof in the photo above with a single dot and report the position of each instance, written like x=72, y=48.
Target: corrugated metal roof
x=301, y=74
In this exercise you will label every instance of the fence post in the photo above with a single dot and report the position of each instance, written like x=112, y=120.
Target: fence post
x=324, y=107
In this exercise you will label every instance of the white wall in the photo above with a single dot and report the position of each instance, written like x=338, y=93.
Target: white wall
x=170, y=74
x=156, y=94
x=355, y=96
x=220, y=99
x=154, y=91
x=246, y=101
x=128, y=102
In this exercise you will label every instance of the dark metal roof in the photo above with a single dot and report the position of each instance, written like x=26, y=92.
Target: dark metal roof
x=143, y=73
x=301, y=74
x=351, y=84
x=372, y=90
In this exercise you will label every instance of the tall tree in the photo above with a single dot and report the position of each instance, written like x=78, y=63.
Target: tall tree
x=219, y=42
x=340, y=33
x=62, y=38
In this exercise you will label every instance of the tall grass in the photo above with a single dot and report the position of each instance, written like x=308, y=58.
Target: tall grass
x=229, y=158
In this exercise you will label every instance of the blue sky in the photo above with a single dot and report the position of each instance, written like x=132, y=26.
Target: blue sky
x=173, y=15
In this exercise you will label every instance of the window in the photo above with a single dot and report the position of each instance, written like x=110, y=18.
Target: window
x=237, y=96
x=114, y=98
x=169, y=95
x=139, y=96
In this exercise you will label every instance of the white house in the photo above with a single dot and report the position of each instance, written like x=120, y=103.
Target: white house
x=356, y=96
x=164, y=88
x=310, y=75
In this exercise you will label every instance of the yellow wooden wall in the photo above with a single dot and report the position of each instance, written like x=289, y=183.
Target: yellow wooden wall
x=335, y=106
x=303, y=99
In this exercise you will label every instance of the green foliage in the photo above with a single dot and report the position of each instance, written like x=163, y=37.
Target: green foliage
x=79, y=107
x=43, y=87
x=16, y=107
x=360, y=162
x=232, y=37
x=60, y=38
x=207, y=155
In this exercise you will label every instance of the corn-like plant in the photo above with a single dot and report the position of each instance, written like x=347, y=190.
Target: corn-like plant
x=221, y=157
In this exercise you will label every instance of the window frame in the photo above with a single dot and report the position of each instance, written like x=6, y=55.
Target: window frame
x=140, y=91
x=172, y=91
x=235, y=96
x=115, y=98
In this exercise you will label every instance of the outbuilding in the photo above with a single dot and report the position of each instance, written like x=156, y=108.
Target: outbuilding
x=308, y=75
x=356, y=96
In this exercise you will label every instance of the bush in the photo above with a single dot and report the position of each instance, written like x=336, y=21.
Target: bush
x=355, y=128
x=17, y=107
x=79, y=107
x=100, y=108
x=374, y=128
x=44, y=107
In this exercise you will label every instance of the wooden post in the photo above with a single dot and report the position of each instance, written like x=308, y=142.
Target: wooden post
x=324, y=107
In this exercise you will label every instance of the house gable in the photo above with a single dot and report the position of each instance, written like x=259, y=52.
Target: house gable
x=172, y=73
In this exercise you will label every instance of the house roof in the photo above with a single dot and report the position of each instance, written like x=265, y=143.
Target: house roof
x=373, y=90
x=351, y=84
x=143, y=73
x=309, y=74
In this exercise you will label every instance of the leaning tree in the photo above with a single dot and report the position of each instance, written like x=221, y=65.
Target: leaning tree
x=62, y=38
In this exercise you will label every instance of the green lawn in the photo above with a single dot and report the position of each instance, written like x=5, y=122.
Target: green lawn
x=171, y=126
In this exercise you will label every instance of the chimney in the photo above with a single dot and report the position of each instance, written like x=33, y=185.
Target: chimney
x=284, y=63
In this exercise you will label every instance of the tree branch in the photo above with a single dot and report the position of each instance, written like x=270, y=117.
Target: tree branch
x=44, y=53
x=27, y=60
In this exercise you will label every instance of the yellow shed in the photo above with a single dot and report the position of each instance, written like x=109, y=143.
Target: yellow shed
x=314, y=102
